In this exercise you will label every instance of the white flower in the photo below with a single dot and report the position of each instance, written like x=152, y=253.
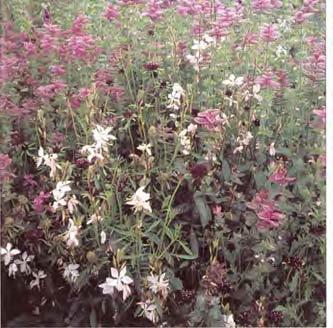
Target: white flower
x=71, y=235
x=208, y=39
x=229, y=321
x=59, y=193
x=145, y=148
x=108, y=286
x=272, y=150
x=255, y=93
x=72, y=204
x=140, y=200
x=95, y=218
x=9, y=253
x=232, y=81
x=195, y=60
x=185, y=141
x=92, y=152
x=48, y=160
x=12, y=269
x=192, y=128
x=24, y=266
x=71, y=272
x=175, y=96
x=256, y=90
x=281, y=51
x=103, y=237
x=102, y=137
x=158, y=284
x=247, y=139
x=121, y=281
x=149, y=310
x=41, y=157
x=38, y=276
x=199, y=45
x=118, y=280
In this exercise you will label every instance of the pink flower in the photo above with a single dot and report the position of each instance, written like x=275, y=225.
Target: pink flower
x=52, y=29
x=266, y=5
x=269, y=218
x=321, y=115
x=116, y=92
x=29, y=181
x=210, y=119
x=79, y=25
x=300, y=16
x=57, y=70
x=57, y=138
x=282, y=78
x=276, y=3
x=261, y=5
x=111, y=13
x=269, y=33
x=49, y=91
x=84, y=93
x=40, y=201
x=250, y=38
x=280, y=177
x=5, y=162
x=75, y=101
x=154, y=11
x=80, y=46
x=217, y=211
x=268, y=214
x=315, y=65
x=260, y=199
x=30, y=48
x=266, y=81
x=309, y=5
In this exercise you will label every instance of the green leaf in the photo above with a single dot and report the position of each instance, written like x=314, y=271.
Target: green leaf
x=294, y=282
x=93, y=318
x=176, y=283
x=194, y=243
x=203, y=208
x=280, y=308
x=226, y=171
x=185, y=256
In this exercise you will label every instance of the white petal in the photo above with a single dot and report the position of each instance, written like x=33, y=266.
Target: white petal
x=122, y=272
x=15, y=252
x=114, y=273
x=127, y=280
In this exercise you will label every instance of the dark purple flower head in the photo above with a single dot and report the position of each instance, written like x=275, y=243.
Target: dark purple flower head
x=151, y=66
x=29, y=182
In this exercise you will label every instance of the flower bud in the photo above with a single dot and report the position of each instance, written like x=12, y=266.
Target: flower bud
x=91, y=257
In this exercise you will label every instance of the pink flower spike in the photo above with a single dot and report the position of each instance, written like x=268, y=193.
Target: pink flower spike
x=210, y=119
x=269, y=218
x=269, y=33
x=280, y=177
x=266, y=81
x=111, y=13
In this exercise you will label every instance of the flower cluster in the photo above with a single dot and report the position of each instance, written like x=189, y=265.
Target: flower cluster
x=102, y=138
